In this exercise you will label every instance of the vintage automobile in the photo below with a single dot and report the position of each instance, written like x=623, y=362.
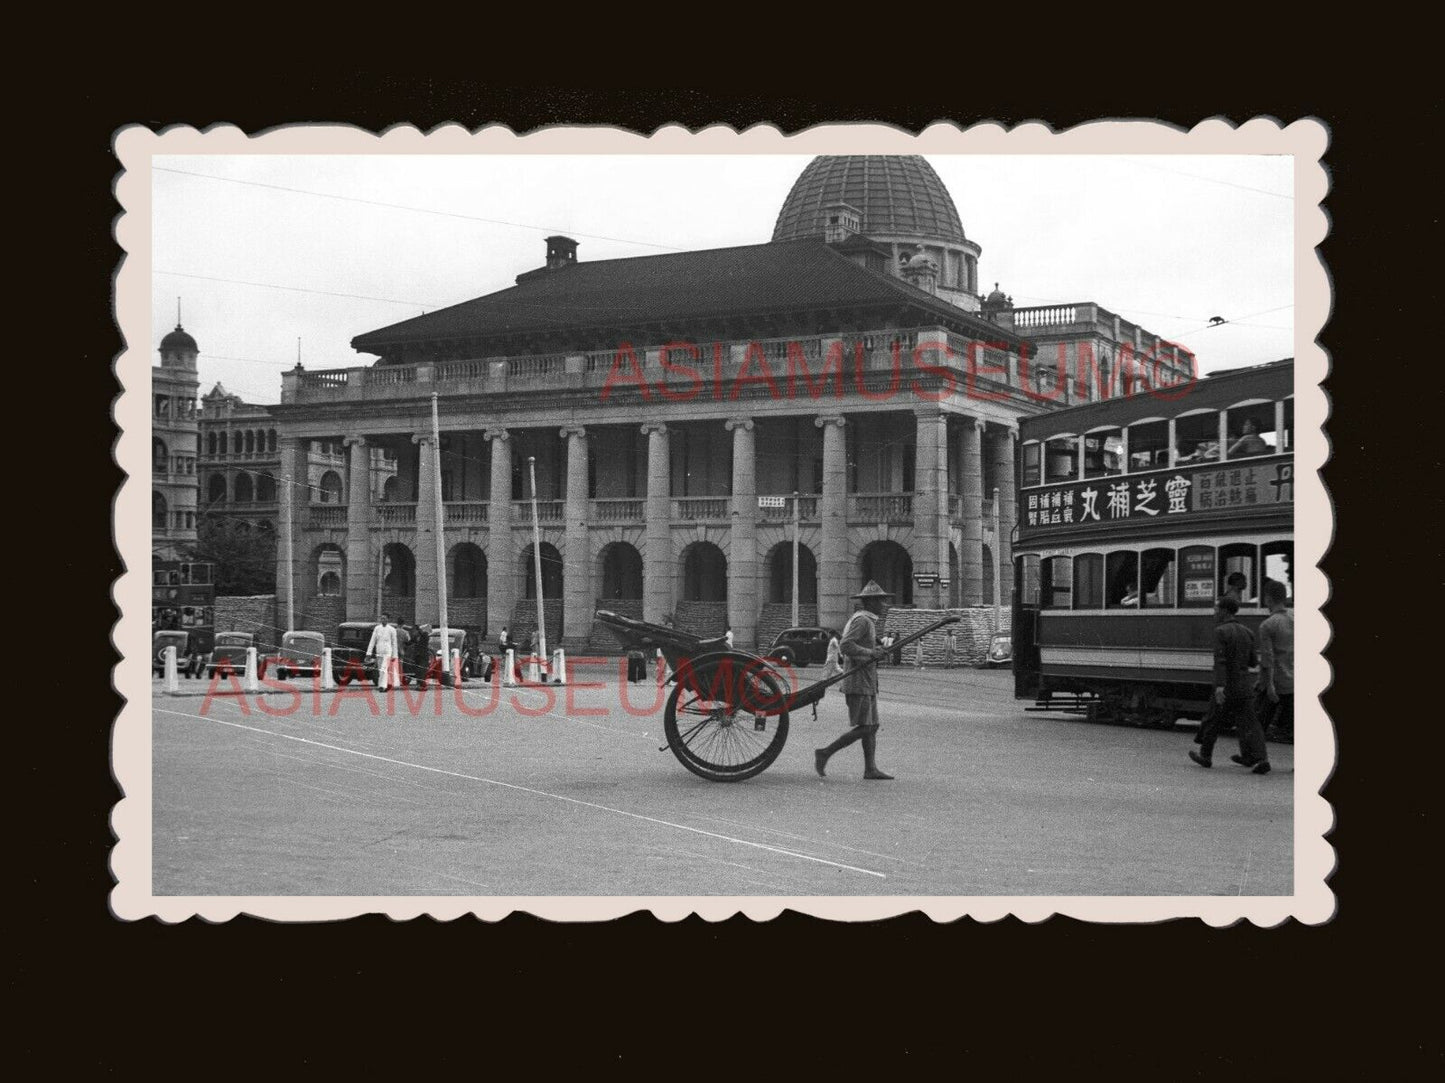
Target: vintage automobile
x=348, y=655
x=298, y=656
x=230, y=651
x=1000, y=652
x=801, y=646
x=188, y=662
x=473, y=664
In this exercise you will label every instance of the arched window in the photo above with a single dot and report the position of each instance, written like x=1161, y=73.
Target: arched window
x=265, y=488
x=1056, y=583
x=1239, y=558
x=216, y=489
x=158, y=511
x=330, y=487
x=1157, y=579
x=1121, y=586
x=1277, y=557
x=236, y=442
x=271, y=440
x=244, y=490
x=159, y=455
x=1196, y=576
x=250, y=441
x=210, y=443
x=1089, y=581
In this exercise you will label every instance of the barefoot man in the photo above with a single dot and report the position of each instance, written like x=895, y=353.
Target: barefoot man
x=860, y=687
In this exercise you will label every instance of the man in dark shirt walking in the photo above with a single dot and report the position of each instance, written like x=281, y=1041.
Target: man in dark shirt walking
x=1233, y=703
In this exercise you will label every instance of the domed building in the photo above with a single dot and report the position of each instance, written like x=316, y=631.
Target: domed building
x=676, y=410
x=896, y=201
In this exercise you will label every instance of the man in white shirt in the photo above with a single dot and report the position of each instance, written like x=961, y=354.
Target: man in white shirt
x=382, y=647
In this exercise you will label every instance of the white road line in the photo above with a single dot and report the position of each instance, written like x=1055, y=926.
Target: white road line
x=534, y=792
x=815, y=842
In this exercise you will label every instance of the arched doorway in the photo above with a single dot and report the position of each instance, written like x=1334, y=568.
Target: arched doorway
x=467, y=570
x=987, y=576
x=888, y=564
x=216, y=489
x=620, y=572
x=398, y=581
x=551, y=572
x=780, y=574
x=704, y=573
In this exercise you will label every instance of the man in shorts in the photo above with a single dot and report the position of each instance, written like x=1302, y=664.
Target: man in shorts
x=859, y=646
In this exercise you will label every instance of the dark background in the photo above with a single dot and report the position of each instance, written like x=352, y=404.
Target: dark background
x=1180, y=999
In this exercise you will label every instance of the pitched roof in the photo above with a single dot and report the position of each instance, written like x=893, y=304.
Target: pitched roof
x=713, y=283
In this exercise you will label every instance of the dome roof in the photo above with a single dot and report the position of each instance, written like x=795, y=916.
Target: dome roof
x=898, y=195
x=179, y=340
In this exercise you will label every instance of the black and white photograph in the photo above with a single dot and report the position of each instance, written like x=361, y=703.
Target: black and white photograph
x=851, y=522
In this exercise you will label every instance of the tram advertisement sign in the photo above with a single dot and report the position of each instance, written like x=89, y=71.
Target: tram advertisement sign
x=1160, y=495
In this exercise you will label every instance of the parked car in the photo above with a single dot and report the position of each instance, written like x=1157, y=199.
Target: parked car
x=189, y=663
x=1000, y=652
x=801, y=646
x=348, y=656
x=473, y=664
x=230, y=650
x=299, y=656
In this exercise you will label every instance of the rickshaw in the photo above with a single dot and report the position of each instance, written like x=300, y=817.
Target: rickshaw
x=726, y=719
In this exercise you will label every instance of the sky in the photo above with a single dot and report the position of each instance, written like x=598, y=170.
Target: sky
x=263, y=251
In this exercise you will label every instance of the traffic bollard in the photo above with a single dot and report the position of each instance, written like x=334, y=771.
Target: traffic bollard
x=559, y=666
x=534, y=671
x=509, y=671
x=173, y=684
x=252, y=683
x=327, y=682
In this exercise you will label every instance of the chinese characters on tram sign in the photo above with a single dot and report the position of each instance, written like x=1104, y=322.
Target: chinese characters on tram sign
x=1161, y=495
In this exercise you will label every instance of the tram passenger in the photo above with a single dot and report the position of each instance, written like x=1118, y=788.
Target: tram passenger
x=1250, y=443
x=1204, y=451
x=1233, y=656
x=860, y=687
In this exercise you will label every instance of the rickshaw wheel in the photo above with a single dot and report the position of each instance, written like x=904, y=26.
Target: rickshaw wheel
x=712, y=720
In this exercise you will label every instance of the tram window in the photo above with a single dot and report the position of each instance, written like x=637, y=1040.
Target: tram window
x=1061, y=459
x=1121, y=586
x=1156, y=579
x=1029, y=579
x=1056, y=583
x=1148, y=445
x=1240, y=558
x=1196, y=438
x=1196, y=576
x=1286, y=438
x=1031, y=464
x=1278, y=561
x=1104, y=453
x=1089, y=581
x=1251, y=431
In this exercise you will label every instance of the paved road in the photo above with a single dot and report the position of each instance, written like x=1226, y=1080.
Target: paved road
x=988, y=801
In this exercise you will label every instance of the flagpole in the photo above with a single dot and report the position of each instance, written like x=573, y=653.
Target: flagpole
x=436, y=439
x=537, y=562
x=290, y=556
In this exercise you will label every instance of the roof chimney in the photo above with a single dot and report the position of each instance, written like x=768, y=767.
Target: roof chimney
x=561, y=252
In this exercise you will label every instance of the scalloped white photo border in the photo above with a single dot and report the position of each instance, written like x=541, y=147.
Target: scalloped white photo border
x=1305, y=140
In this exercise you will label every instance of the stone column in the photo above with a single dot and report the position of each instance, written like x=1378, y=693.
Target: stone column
x=424, y=544
x=298, y=496
x=743, y=540
x=930, y=505
x=501, y=571
x=970, y=559
x=360, y=559
x=1002, y=448
x=578, y=601
x=835, y=577
x=657, y=578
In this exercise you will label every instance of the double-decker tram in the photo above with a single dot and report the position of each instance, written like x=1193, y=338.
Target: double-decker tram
x=1133, y=513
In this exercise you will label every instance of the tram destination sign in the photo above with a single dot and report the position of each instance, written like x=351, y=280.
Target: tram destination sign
x=1206, y=491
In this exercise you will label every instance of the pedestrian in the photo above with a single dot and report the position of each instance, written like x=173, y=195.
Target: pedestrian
x=728, y=635
x=950, y=647
x=1233, y=655
x=382, y=647
x=1235, y=584
x=1276, y=662
x=859, y=647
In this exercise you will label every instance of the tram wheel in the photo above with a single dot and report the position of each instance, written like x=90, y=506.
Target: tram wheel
x=711, y=720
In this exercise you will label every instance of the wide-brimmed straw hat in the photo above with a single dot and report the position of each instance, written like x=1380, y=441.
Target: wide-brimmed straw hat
x=872, y=590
